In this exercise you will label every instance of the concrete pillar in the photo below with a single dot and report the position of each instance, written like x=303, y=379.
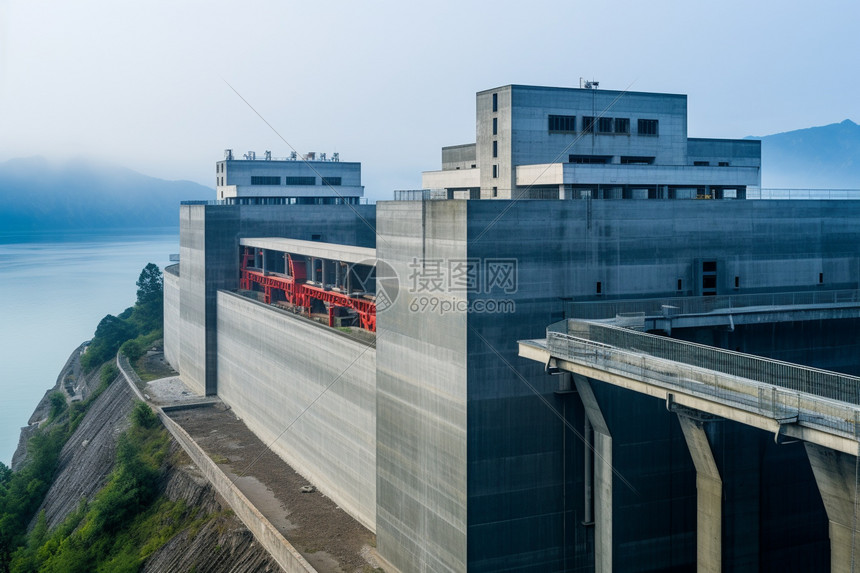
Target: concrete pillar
x=323, y=265
x=263, y=260
x=602, y=477
x=836, y=476
x=313, y=270
x=709, y=497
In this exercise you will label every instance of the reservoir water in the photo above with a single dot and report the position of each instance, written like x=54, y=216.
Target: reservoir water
x=54, y=289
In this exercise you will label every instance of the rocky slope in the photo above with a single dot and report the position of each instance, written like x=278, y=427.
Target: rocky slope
x=219, y=542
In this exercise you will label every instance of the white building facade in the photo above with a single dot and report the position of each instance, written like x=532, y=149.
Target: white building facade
x=313, y=179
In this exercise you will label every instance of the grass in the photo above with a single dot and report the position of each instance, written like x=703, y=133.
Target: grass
x=126, y=522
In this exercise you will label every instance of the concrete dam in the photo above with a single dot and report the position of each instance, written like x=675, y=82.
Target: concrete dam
x=450, y=442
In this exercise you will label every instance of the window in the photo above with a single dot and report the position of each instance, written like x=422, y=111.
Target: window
x=495, y=102
x=622, y=125
x=588, y=124
x=724, y=163
x=820, y=278
x=300, y=180
x=737, y=282
x=680, y=284
x=599, y=288
x=562, y=123
x=265, y=180
x=604, y=125
x=495, y=171
x=495, y=191
x=495, y=126
x=590, y=159
x=647, y=127
x=701, y=163
x=331, y=181
x=495, y=149
x=636, y=160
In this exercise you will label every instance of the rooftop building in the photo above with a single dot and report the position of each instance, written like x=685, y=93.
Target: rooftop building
x=313, y=179
x=567, y=143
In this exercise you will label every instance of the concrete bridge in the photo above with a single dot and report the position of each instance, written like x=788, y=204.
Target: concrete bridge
x=703, y=385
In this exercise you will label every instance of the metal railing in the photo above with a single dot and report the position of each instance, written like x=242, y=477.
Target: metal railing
x=671, y=306
x=205, y=202
x=780, y=404
x=813, y=381
x=420, y=194
x=804, y=194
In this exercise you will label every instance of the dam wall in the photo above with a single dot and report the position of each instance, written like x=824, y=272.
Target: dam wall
x=306, y=390
x=172, y=325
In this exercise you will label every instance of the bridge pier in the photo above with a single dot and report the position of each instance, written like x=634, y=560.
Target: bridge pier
x=709, y=496
x=603, y=547
x=836, y=475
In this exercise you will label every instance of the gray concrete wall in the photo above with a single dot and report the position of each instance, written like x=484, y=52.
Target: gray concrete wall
x=736, y=152
x=459, y=157
x=421, y=398
x=193, y=305
x=172, y=323
x=523, y=503
x=275, y=368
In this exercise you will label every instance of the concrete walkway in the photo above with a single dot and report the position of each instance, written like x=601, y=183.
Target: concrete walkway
x=328, y=539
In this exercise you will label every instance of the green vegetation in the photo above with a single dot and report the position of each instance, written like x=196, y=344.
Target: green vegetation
x=125, y=523
x=135, y=329
x=22, y=492
x=132, y=489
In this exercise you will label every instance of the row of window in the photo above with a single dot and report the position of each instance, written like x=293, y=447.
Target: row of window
x=590, y=124
x=272, y=180
x=606, y=159
x=292, y=201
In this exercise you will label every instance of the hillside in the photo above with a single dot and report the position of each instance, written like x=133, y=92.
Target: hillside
x=181, y=526
x=824, y=157
x=39, y=195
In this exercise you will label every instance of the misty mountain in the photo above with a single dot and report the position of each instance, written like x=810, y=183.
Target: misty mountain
x=825, y=157
x=37, y=195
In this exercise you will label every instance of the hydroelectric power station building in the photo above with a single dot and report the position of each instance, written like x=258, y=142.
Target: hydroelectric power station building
x=440, y=382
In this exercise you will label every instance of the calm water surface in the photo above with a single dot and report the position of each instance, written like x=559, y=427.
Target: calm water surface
x=54, y=289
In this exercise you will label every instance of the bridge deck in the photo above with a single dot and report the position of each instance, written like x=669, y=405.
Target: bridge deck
x=796, y=401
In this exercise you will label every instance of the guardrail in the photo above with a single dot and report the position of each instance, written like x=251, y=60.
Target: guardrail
x=205, y=202
x=281, y=550
x=764, y=399
x=420, y=194
x=671, y=306
x=804, y=194
x=778, y=389
x=822, y=383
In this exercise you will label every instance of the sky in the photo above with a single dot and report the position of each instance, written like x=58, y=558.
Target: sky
x=147, y=85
